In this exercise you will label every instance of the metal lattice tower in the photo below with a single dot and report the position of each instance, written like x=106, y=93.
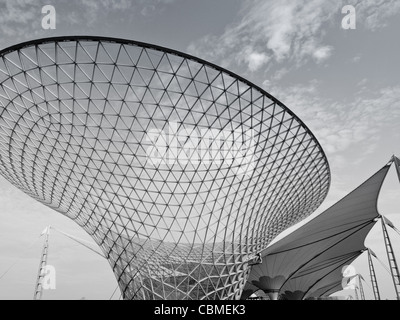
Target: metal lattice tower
x=373, y=276
x=99, y=130
x=42, y=266
x=356, y=293
x=394, y=270
x=361, y=287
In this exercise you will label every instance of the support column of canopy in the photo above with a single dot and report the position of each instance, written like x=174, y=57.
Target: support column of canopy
x=391, y=258
x=391, y=225
x=42, y=265
x=361, y=287
x=272, y=294
x=373, y=275
x=356, y=292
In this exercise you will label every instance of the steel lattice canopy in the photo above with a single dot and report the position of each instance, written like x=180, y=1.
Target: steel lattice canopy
x=75, y=118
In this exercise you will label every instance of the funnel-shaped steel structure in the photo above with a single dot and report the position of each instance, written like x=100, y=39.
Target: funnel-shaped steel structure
x=181, y=171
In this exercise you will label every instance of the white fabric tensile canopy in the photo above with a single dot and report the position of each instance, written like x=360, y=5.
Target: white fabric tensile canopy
x=310, y=259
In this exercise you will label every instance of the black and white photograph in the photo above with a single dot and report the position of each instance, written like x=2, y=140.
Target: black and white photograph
x=213, y=150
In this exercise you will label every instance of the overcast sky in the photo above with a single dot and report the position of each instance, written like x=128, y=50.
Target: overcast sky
x=344, y=84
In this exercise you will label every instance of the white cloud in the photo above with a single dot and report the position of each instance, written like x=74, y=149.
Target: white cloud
x=288, y=31
x=280, y=74
x=17, y=17
x=323, y=53
x=340, y=128
x=374, y=14
x=362, y=82
x=351, y=133
x=282, y=30
x=279, y=28
x=147, y=10
x=255, y=60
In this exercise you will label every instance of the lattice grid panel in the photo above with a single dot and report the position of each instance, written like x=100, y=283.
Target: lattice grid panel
x=74, y=121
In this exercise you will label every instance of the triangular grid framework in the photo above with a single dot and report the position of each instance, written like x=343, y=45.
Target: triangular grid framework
x=76, y=115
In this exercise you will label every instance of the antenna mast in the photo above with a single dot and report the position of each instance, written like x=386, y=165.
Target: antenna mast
x=42, y=265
